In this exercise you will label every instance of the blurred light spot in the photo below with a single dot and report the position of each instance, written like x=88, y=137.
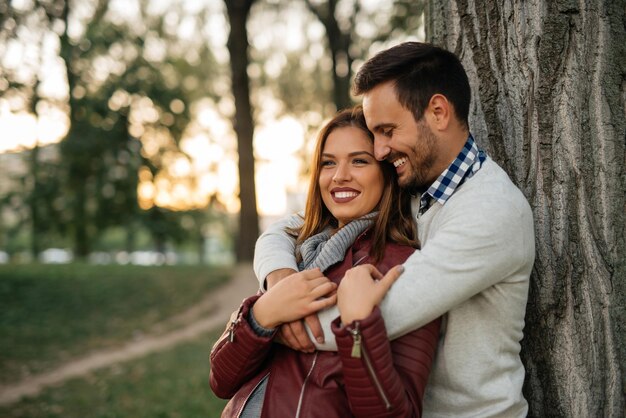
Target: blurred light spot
x=177, y=106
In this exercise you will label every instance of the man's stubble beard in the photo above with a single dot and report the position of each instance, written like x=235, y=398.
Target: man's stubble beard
x=424, y=149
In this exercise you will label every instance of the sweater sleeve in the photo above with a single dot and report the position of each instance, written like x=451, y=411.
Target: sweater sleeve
x=385, y=379
x=238, y=354
x=275, y=249
x=477, y=241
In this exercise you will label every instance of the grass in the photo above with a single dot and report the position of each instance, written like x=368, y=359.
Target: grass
x=51, y=313
x=172, y=383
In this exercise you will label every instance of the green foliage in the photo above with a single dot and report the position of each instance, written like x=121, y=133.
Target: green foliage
x=131, y=94
x=100, y=153
x=351, y=28
x=129, y=82
x=53, y=312
x=173, y=383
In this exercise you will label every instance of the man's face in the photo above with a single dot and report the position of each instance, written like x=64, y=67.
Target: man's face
x=409, y=145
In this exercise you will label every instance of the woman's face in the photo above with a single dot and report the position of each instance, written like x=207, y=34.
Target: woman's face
x=351, y=180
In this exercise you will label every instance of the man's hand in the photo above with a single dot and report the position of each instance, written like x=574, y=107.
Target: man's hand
x=362, y=288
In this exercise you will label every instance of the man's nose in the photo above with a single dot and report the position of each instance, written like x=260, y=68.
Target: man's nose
x=381, y=149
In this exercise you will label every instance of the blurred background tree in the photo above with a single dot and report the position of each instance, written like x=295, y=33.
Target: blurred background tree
x=132, y=85
x=238, y=48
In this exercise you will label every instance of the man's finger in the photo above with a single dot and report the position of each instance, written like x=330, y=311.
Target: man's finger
x=316, y=328
x=288, y=339
x=299, y=333
x=388, y=279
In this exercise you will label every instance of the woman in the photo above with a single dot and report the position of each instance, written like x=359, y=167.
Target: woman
x=355, y=214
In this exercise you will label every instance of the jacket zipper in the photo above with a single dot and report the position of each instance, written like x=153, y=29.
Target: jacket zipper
x=243, y=405
x=231, y=330
x=358, y=351
x=229, y=334
x=304, y=385
x=233, y=322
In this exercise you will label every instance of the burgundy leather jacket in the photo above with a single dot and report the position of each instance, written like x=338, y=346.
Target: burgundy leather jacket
x=367, y=377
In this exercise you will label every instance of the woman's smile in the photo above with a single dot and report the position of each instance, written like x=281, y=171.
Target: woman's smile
x=344, y=194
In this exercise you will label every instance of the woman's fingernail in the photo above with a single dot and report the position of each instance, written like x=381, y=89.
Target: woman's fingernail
x=320, y=340
x=400, y=269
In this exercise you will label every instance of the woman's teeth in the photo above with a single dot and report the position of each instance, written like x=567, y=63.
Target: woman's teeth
x=344, y=195
x=397, y=163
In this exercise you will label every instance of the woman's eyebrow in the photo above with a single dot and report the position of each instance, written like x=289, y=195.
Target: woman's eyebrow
x=352, y=154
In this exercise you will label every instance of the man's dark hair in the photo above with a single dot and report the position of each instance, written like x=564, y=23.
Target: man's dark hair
x=418, y=70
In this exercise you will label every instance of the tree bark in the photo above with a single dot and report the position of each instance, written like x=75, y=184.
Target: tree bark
x=549, y=88
x=238, y=11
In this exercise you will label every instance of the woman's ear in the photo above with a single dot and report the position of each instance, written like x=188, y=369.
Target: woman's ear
x=439, y=112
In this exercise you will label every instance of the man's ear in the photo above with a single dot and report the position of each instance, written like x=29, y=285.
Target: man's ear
x=440, y=112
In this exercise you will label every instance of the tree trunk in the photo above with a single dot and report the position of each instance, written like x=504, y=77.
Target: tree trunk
x=34, y=200
x=549, y=89
x=78, y=166
x=77, y=177
x=339, y=43
x=238, y=11
x=35, y=190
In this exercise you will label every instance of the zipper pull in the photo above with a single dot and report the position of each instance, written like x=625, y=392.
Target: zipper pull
x=356, y=345
x=233, y=322
x=231, y=331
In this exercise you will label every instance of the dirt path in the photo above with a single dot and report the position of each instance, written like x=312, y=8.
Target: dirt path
x=220, y=303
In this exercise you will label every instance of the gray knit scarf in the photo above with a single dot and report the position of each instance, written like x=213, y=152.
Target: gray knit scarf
x=325, y=248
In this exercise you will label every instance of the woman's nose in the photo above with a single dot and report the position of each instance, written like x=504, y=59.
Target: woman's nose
x=342, y=173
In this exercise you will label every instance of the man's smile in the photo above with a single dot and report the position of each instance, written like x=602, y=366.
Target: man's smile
x=400, y=161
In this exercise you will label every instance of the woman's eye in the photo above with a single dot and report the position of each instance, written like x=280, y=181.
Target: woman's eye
x=360, y=161
x=327, y=163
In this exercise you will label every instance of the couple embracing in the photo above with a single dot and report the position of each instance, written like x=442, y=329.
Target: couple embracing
x=401, y=291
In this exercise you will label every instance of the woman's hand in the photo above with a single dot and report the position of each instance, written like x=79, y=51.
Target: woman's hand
x=361, y=289
x=294, y=298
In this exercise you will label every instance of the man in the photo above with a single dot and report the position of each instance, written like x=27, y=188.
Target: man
x=474, y=225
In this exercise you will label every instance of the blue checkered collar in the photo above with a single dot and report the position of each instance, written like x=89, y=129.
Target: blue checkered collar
x=465, y=165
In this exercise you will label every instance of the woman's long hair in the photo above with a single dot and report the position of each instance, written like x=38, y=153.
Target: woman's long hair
x=393, y=223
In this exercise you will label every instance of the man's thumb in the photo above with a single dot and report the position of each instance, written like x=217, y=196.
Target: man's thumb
x=391, y=276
